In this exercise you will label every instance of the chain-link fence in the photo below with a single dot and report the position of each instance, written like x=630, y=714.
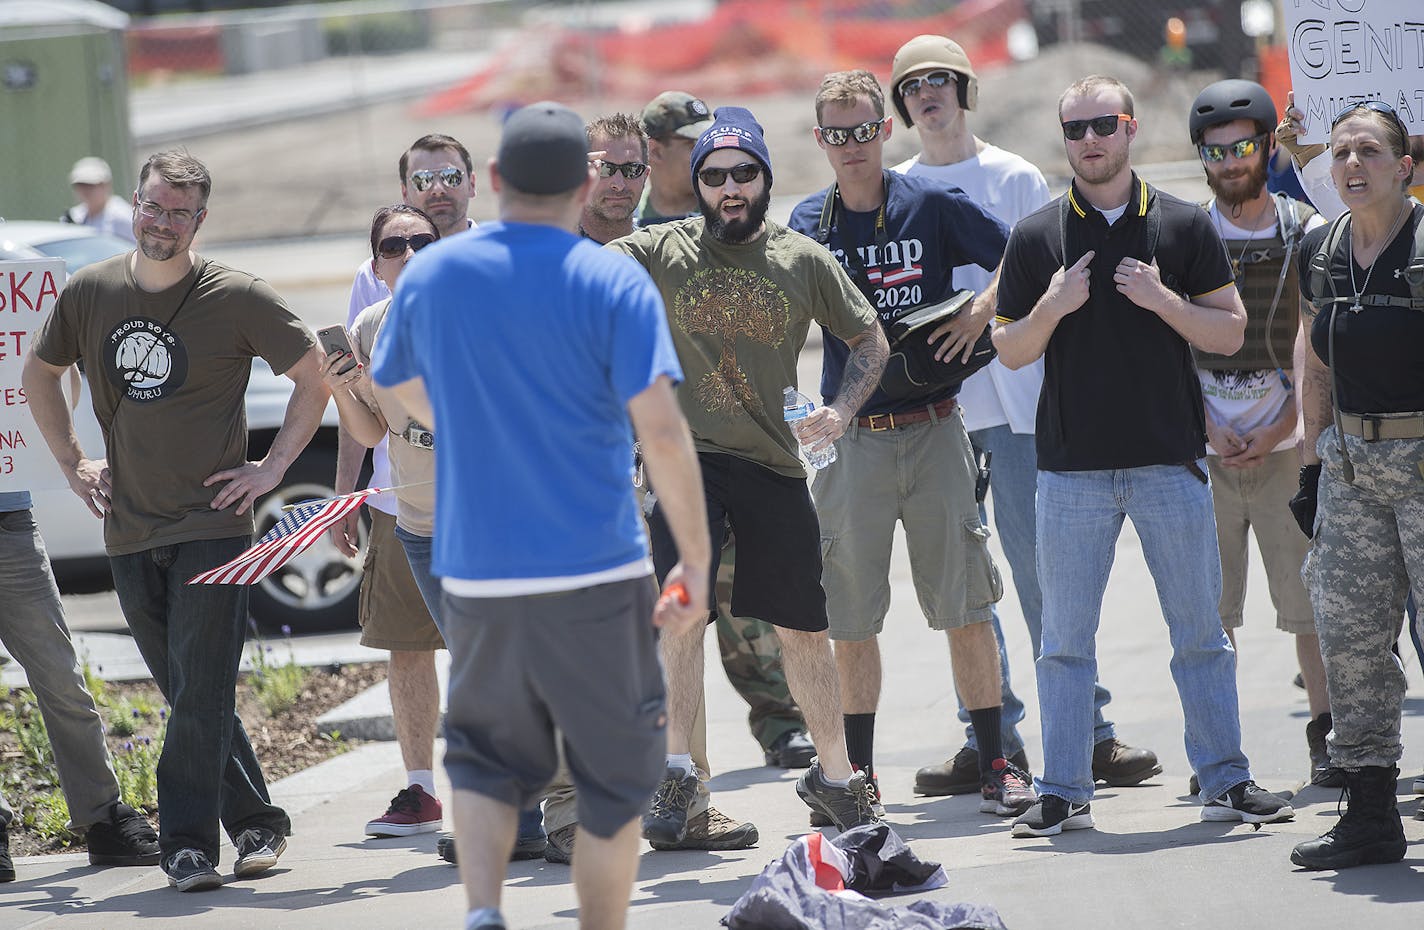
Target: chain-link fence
x=302, y=111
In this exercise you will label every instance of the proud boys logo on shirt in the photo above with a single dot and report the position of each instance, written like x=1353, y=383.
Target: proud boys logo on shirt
x=146, y=359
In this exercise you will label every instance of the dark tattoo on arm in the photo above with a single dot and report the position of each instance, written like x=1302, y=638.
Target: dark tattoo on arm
x=868, y=353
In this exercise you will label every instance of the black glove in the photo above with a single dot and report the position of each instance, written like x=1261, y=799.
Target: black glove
x=1303, y=504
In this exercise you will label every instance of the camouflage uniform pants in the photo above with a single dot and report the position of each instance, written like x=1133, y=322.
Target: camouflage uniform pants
x=1368, y=551
x=751, y=657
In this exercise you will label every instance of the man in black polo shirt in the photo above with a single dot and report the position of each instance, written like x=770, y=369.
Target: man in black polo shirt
x=1095, y=283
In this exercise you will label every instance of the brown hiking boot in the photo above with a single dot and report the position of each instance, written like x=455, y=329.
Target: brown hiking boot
x=1121, y=765
x=713, y=829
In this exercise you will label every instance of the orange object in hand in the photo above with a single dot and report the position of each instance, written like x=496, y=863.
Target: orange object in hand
x=676, y=591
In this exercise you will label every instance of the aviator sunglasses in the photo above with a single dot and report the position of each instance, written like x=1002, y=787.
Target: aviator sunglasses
x=1379, y=106
x=1102, y=126
x=395, y=246
x=911, y=86
x=744, y=173
x=1241, y=148
x=629, y=169
x=840, y=135
x=424, y=179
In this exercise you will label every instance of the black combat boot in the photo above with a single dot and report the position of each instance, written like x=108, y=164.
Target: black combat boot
x=1368, y=832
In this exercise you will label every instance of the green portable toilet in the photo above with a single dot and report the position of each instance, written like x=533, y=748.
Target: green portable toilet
x=63, y=95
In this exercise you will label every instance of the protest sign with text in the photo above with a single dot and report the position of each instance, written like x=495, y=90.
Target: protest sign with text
x=28, y=290
x=1347, y=51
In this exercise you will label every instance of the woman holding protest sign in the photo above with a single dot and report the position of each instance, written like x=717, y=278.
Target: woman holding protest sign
x=1362, y=289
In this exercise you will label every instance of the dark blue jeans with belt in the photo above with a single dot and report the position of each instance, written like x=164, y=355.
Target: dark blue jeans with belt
x=191, y=637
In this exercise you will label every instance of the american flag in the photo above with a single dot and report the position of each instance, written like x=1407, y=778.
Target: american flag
x=302, y=526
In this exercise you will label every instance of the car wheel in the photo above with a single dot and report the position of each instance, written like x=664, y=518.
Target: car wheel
x=320, y=588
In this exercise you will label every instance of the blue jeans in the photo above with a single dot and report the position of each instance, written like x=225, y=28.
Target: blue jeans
x=1013, y=479
x=417, y=551
x=191, y=638
x=1080, y=516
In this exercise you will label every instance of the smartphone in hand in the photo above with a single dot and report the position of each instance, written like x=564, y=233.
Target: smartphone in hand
x=335, y=341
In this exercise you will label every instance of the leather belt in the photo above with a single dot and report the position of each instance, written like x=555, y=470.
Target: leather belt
x=879, y=422
x=1389, y=426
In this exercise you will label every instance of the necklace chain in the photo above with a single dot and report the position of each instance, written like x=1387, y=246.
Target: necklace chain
x=1250, y=234
x=1389, y=237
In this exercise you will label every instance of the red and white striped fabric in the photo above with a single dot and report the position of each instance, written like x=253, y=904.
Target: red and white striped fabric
x=300, y=528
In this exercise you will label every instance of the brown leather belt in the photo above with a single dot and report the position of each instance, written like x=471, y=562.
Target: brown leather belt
x=1388, y=426
x=879, y=422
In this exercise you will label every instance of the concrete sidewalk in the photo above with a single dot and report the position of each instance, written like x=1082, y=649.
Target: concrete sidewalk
x=1150, y=863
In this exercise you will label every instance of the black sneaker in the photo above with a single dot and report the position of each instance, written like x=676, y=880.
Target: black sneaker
x=257, y=850
x=1121, y=765
x=7, y=865
x=1248, y=803
x=190, y=870
x=819, y=819
x=847, y=807
x=126, y=838
x=959, y=775
x=525, y=847
x=666, y=819
x=792, y=750
x=1007, y=790
x=1052, y=815
x=559, y=845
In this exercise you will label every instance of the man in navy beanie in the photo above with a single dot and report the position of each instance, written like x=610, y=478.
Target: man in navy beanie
x=741, y=294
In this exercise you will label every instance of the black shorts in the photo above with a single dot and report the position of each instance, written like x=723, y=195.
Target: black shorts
x=778, y=576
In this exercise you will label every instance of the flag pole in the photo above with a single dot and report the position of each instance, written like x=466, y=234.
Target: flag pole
x=327, y=500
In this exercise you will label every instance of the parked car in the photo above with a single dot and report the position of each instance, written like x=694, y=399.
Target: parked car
x=317, y=590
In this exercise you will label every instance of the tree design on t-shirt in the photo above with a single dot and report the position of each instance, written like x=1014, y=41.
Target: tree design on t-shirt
x=727, y=303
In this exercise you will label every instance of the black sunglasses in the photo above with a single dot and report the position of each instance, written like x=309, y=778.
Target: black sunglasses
x=395, y=246
x=1102, y=126
x=1378, y=106
x=840, y=135
x=424, y=179
x=1241, y=148
x=629, y=169
x=911, y=86
x=742, y=174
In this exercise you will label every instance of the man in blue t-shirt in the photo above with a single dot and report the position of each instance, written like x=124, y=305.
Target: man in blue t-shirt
x=906, y=456
x=549, y=599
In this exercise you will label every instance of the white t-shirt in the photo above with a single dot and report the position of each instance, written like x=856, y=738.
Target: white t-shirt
x=1010, y=188
x=367, y=289
x=1245, y=399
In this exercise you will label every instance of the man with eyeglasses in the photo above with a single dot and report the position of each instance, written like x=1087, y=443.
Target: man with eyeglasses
x=1251, y=421
x=672, y=121
x=741, y=294
x=436, y=175
x=1114, y=284
x=168, y=338
x=934, y=88
x=906, y=456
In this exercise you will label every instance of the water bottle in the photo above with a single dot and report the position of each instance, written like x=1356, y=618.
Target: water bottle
x=797, y=406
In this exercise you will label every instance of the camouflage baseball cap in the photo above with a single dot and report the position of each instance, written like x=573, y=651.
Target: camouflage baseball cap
x=676, y=113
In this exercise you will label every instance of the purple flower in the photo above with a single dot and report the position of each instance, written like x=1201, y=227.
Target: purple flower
x=135, y=713
x=128, y=746
x=286, y=630
x=162, y=713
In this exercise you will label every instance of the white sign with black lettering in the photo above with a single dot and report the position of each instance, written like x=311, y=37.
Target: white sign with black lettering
x=28, y=290
x=1347, y=51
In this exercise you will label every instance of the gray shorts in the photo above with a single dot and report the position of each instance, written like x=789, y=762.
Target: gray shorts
x=583, y=663
x=921, y=476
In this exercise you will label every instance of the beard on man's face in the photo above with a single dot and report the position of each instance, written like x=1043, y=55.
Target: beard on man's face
x=737, y=230
x=1240, y=187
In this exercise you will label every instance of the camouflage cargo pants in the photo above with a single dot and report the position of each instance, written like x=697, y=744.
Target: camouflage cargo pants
x=1368, y=552
x=751, y=657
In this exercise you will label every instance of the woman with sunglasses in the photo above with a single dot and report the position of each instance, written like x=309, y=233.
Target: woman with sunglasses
x=1362, y=487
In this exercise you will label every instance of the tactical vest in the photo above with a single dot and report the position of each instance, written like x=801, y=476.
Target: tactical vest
x=1334, y=247
x=1266, y=278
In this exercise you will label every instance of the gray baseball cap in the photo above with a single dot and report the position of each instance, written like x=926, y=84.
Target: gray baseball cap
x=676, y=113
x=544, y=149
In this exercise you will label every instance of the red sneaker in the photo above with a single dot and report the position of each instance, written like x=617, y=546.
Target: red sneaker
x=411, y=811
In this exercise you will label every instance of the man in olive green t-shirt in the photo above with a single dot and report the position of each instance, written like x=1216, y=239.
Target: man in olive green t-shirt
x=168, y=339
x=741, y=295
